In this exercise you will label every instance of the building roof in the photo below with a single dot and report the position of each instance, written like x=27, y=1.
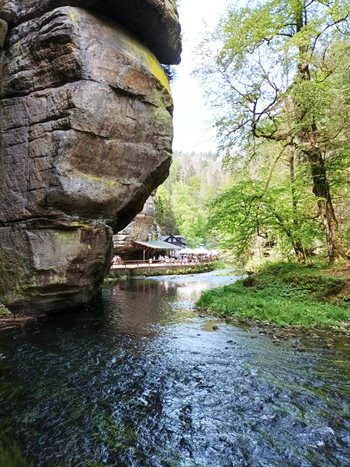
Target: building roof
x=158, y=245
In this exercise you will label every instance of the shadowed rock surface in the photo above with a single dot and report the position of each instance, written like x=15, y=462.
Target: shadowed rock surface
x=85, y=136
x=140, y=229
x=154, y=22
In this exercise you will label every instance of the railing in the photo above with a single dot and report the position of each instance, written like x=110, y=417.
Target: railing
x=157, y=263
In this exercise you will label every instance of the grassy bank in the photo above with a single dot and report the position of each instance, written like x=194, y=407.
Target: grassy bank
x=286, y=294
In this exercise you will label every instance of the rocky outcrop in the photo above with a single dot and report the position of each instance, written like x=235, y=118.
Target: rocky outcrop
x=154, y=23
x=85, y=136
x=140, y=229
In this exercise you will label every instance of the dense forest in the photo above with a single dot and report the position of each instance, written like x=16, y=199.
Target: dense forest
x=184, y=200
x=277, y=76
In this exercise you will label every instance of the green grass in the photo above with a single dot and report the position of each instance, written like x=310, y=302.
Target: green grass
x=283, y=294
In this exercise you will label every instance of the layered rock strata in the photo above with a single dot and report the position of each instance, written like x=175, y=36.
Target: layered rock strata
x=85, y=136
x=140, y=229
x=154, y=22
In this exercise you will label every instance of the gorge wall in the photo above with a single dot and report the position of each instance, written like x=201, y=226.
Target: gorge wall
x=141, y=229
x=85, y=137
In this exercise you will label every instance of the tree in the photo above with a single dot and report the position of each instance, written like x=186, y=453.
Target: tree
x=190, y=213
x=165, y=216
x=270, y=206
x=276, y=73
x=182, y=201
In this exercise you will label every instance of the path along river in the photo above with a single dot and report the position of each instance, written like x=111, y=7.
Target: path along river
x=140, y=379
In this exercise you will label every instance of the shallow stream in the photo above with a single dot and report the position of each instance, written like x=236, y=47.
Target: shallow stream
x=140, y=379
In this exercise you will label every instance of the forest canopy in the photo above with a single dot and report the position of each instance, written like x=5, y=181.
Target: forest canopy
x=277, y=76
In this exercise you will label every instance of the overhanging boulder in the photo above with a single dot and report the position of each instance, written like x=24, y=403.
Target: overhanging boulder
x=154, y=22
x=85, y=137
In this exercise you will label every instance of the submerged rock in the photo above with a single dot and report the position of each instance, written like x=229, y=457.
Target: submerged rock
x=85, y=136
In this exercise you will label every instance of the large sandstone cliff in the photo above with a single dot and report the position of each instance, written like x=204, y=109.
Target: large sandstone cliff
x=85, y=136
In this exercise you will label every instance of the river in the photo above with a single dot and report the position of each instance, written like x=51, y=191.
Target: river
x=138, y=378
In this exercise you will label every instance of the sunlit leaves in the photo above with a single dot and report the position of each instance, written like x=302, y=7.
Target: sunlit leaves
x=252, y=210
x=279, y=78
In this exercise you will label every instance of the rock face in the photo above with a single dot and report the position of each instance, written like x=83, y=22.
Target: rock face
x=85, y=136
x=154, y=22
x=140, y=229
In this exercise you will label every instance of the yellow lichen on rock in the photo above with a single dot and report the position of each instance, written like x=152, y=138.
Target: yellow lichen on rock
x=72, y=16
x=93, y=178
x=146, y=57
x=158, y=72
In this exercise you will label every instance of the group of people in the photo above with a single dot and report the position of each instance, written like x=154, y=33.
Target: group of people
x=162, y=259
x=182, y=259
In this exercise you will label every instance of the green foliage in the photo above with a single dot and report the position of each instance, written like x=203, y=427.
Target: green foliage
x=283, y=294
x=4, y=312
x=310, y=280
x=277, y=73
x=266, y=208
x=182, y=202
x=189, y=212
x=165, y=217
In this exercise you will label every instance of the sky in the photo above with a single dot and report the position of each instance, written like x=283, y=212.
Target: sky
x=192, y=117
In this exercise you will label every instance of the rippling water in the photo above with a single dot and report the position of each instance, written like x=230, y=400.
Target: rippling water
x=140, y=379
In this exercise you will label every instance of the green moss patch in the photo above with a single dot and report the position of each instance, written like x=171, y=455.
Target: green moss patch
x=4, y=312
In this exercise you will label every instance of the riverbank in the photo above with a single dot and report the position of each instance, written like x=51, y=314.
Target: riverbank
x=6, y=317
x=9, y=320
x=286, y=295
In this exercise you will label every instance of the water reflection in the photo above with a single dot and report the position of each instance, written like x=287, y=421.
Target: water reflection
x=138, y=379
x=192, y=290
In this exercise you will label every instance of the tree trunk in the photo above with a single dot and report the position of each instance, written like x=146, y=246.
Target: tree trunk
x=299, y=252
x=313, y=153
x=325, y=206
x=297, y=244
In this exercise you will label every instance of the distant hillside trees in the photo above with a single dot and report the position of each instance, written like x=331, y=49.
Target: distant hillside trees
x=182, y=201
